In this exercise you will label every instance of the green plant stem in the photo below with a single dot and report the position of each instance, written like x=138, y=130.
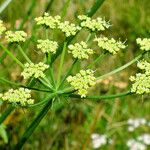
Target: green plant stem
x=33, y=125
x=3, y=56
x=24, y=54
x=6, y=113
x=48, y=85
x=61, y=64
x=102, y=97
x=12, y=56
x=68, y=73
x=48, y=6
x=120, y=68
x=96, y=60
x=64, y=10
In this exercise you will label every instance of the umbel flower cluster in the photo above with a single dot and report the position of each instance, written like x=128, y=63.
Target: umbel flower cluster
x=2, y=27
x=141, y=81
x=34, y=70
x=97, y=24
x=20, y=96
x=47, y=46
x=80, y=50
x=82, y=81
x=16, y=36
x=144, y=43
x=110, y=45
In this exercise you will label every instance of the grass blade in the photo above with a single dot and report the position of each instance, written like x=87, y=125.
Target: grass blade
x=4, y=5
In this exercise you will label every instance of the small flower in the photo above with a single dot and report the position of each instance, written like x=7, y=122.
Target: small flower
x=93, y=24
x=35, y=70
x=47, y=46
x=144, y=43
x=20, y=96
x=111, y=45
x=82, y=81
x=2, y=27
x=80, y=50
x=144, y=138
x=48, y=21
x=16, y=36
x=68, y=28
x=141, y=81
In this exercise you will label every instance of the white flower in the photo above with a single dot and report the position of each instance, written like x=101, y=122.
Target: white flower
x=145, y=138
x=2, y=27
x=144, y=43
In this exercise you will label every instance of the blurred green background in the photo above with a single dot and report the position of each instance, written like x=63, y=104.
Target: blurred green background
x=70, y=123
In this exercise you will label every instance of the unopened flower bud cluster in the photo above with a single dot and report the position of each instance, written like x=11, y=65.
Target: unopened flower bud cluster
x=144, y=44
x=2, y=27
x=47, y=46
x=111, y=45
x=16, y=36
x=80, y=50
x=48, y=21
x=82, y=81
x=35, y=70
x=20, y=96
x=97, y=24
x=141, y=81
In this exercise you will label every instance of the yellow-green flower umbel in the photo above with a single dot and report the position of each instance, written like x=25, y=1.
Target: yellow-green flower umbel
x=47, y=46
x=141, y=81
x=48, y=21
x=20, y=96
x=2, y=27
x=16, y=36
x=68, y=28
x=97, y=24
x=80, y=50
x=110, y=45
x=82, y=81
x=35, y=70
x=144, y=44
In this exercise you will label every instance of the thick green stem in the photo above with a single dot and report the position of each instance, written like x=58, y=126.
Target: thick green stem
x=120, y=68
x=102, y=97
x=33, y=125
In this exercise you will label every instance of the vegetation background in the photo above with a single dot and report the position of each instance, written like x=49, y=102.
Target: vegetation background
x=70, y=123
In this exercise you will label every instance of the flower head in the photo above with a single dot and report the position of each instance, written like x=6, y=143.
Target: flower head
x=20, y=96
x=16, y=36
x=68, y=28
x=93, y=24
x=48, y=21
x=2, y=27
x=141, y=81
x=111, y=45
x=35, y=70
x=82, y=81
x=144, y=43
x=80, y=50
x=47, y=46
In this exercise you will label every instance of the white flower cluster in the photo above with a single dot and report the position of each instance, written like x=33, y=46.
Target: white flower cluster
x=68, y=28
x=47, y=46
x=48, y=21
x=16, y=36
x=97, y=24
x=111, y=45
x=135, y=123
x=141, y=81
x=35, y=70
x=2, y=27
x=135, y=145
x=144, y=43
x=20, y=96
x=82, y=81
x=144, y=138
x=80, y=50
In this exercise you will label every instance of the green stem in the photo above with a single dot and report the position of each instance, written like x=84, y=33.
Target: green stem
x=6, y=113
x=33, y=125
x=61, y=63
x=12, y=56
x=102, y=97
x=96, y=60
x=68, y=73
x=64, y=10
x=44, y=82
x=120, y=68
x=24, y=54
